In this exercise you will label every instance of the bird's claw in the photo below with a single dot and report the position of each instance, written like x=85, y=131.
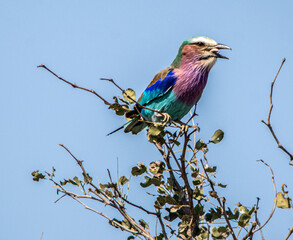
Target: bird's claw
x=184, y=128
x=166, y=119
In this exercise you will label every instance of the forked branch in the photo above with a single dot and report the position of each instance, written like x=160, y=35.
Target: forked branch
x=268, y=122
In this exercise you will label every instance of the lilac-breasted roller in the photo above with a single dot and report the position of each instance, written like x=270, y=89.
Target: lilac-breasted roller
x=177, y=88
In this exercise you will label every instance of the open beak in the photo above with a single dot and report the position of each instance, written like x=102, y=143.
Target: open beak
x=217, y=48
x=222, y=46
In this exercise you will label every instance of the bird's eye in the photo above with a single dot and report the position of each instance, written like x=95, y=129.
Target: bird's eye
x=200, y=43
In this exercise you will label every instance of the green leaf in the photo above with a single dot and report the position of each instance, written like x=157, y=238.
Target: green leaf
x=243, y=209
x=126, y=223
x=123, y=180
x=161, y=190
x=72, y=182
x=199, y=209
x=77, y=180
x=156, y=133
x=218, y=136
x=170, y=200
x=220, y=233
x=119, y=109
x=221, y=185
x=131, y=94
x=109, y=193
x=37, y=176
x=211, y=170
x=282, y=201
x=197, y=181
x=157, y=168
x=171, y=217
x=200, y=144
x=149, y=181
x=215, y=233
x=231, y=215
x=144, y=224
x=213, y=194
x=155, y=130
x=213, y=214
x=198, y=193
x=87, y=178
x=161, y=201
x=243, y=219
x=251, y=211
x=137, y=171
x=103, y=186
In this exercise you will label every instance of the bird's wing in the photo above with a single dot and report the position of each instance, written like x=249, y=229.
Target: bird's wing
x=162, y=82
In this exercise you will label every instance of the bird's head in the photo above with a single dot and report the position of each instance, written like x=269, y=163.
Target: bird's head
x=202, y=51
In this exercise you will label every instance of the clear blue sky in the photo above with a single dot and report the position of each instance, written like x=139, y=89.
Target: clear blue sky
x=131, y=41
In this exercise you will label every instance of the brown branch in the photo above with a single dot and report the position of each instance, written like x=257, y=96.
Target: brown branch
x=289, y=233
x=124, y=92
x=74, y=84
x=256, y=217
x=221, y=202
x=268, y=122
x=250, y=232
x=167, y=160
x=140, y=230
x=194, y=217
x=105, y=216
x=127, y=201
x=162, y=225
x=275, y=203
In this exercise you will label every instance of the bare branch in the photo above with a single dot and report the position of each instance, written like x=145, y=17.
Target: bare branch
x=275, y=204
x=256, y=217
x=289, y=233
x=268, y=122
x=74, y=84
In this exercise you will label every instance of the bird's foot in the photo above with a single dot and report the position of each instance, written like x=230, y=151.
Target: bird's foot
x=184, y=128
x=166, y=119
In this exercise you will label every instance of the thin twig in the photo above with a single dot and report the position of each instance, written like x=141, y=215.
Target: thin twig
x=159, y=217
x=256, y=217
x=124, y=92
x=250, y=232
x=221, y=203
x=289, y=233
x=268, y=122
x=275, y=203
x=194, y=217
x=102, y=214
x=74, y=84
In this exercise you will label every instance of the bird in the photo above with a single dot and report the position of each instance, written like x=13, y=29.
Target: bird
x=177, y=88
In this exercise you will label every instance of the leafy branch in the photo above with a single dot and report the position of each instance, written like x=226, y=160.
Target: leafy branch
x=186, y=202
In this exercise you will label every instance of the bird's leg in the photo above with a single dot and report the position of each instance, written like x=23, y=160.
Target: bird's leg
x=183, y=126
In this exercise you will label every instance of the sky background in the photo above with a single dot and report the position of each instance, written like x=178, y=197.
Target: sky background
x=131, y=41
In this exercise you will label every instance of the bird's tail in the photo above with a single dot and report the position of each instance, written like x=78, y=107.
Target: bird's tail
x=134, y=126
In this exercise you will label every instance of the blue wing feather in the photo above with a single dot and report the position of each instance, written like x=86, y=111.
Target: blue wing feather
x=158, y=89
